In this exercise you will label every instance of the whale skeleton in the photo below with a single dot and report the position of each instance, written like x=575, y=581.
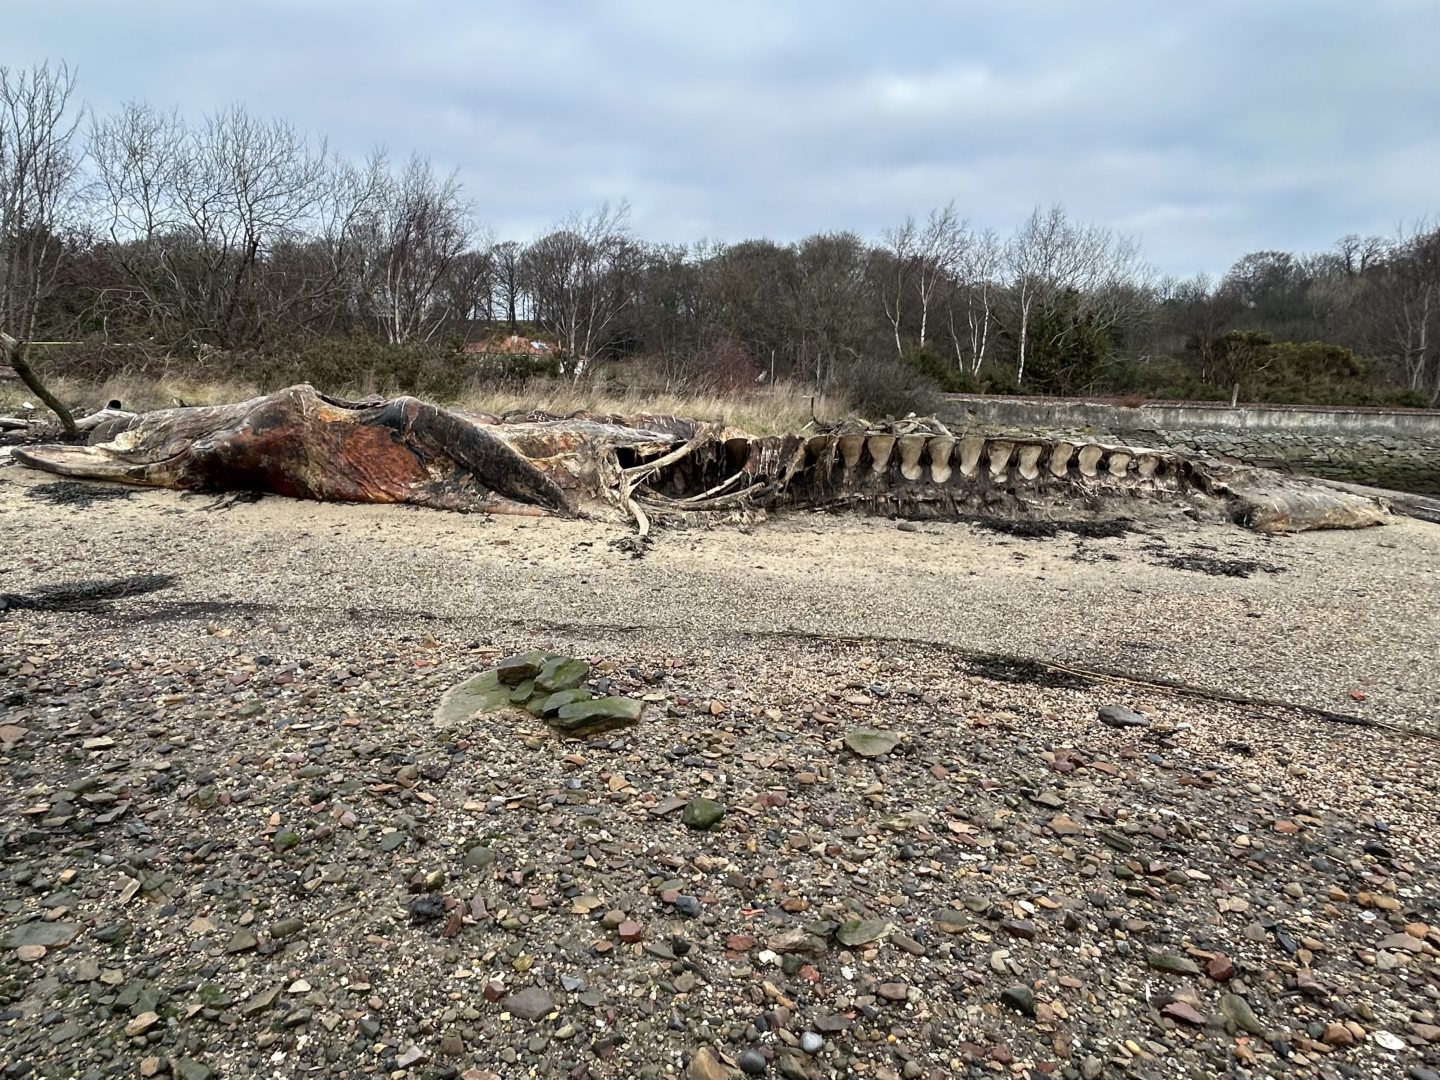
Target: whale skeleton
x=302, y=443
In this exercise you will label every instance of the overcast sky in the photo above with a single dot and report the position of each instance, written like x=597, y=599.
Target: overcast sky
x=1207, y=127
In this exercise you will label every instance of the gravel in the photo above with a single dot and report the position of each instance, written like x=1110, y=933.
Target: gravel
x=236, y=841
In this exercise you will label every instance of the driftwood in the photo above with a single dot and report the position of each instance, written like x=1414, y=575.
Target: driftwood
x=301, y=443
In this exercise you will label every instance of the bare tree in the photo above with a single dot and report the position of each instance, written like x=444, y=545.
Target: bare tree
x=1051, y=259
x=939, y=248
x=977, y=288
x=894, y=272
x=420, y=228
x=196, y=213
x=509, y=284
x=1403, y=302
x=582, y=276
x=38, y=167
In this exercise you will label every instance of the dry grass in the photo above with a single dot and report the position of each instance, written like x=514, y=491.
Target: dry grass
x=761, y=411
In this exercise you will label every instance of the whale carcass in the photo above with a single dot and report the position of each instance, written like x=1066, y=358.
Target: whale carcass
x=302, y=443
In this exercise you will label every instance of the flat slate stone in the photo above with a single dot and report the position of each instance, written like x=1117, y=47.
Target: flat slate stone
x=867, y=742
x=584, y=718
x=479, y=694
x=49, y=934
x=514, y=670
x=550, y=704
x=562, y=673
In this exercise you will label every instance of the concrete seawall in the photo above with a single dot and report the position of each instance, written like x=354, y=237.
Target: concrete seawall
x=1397, y=449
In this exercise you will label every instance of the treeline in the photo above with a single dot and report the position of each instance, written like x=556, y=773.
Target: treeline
x=240, y=237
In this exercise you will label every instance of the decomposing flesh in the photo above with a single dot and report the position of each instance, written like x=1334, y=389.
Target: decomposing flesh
x=301, y=443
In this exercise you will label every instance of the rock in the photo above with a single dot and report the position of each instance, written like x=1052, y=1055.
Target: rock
x=812, y=1043
x=893, y=991
x=1337, y=1034
x=752, y=1062
x=1091, y=1068
x=241, y=941
x=1019, y=998
x=1020, y=928
x=630, y=931
x=514, y=670
x=861, y=931
x=141, y=1024
x=411, y=1056
x=1119, y=716
x=702, y=813
x=550, y=704
x=1172, y=963
x=31, y=954
x=49, y=934
x=1220, y=968
x=531, y=1003
x=480, y=694
x=562, y=673
x=479, y=857
x=704, y=1065
x=1063, y=825
x=868, y=742
x=581, y=719
x=1237, y=1010
x=1186, y=1014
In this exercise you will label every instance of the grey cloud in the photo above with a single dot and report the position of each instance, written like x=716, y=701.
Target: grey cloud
x=1209, y=128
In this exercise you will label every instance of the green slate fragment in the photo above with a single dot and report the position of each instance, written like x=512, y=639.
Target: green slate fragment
x=702, y=813
x=514, y=670
x=562, y=673
x=861, y=931
x=550, y=704
x=867, y=742
x=581, y=719
x=465, y=699
x=523, y=692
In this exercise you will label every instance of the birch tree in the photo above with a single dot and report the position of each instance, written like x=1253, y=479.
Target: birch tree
x=38, y=168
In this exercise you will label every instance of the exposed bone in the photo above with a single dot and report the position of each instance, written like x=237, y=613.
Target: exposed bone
x=911, y=447
x=1028, y=460
x=940, y=448
x=1090, y=455
x=880, y=447
x=1060, y=455
x=299, y=443
x=1000, y=451
x=971, y=447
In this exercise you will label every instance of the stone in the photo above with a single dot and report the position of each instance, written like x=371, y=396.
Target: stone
x=702, y=813
x=479, y=857
x=1186, y=1014
x=870, y=743
x=1237, y=1010
x=752, y=1062
x=531, y=1003
x=1119, y=716
x=31, y=954
x=141, y=1024
x=893, y=991
x=562, y=673
x=581, y=719
x=1337, y=1034
x=704, y=1065
x=1019, y=998
x=812, y=1043
x=241, y=941
x=1172, y=963
x=49, y=934
x=861, y=931
x=550, y=704
x=514, y=670
x=480, y=694
x=1220, y=968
